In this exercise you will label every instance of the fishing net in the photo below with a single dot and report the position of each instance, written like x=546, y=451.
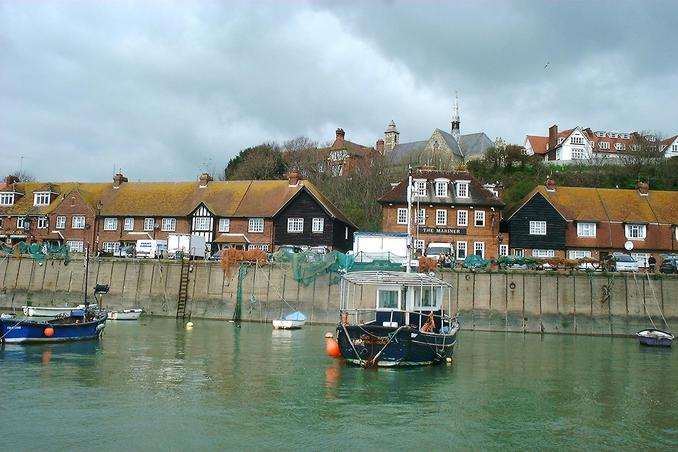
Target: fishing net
x=38, y=251
x=308, y=266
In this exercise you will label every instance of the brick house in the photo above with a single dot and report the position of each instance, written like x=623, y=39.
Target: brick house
x=448, y=206
x=578, y=222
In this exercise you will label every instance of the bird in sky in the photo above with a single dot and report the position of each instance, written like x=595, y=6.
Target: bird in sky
x=547, y=64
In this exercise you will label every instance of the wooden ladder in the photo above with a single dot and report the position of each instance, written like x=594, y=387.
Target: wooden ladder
x=183, y=289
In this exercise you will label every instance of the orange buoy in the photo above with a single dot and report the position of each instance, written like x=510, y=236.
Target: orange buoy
x=49, y=331
x=332, y=346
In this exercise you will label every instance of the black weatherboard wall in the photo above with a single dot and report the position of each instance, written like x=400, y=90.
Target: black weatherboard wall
x=537, y=209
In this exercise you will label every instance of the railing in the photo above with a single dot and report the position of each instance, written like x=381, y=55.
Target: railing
x=395, y=317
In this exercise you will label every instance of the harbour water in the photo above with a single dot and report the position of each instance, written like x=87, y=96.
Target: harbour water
x=154, y=385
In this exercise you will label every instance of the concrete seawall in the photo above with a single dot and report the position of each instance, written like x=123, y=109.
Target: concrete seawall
x=550, y=302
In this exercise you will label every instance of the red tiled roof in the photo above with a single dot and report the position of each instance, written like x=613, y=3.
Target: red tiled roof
x=538, y=143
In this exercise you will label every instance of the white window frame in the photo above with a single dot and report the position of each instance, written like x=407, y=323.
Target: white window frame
x=60, y=222
x=380, y=290
x=168, y=224
x=441, y=189
x=78, y=222
x=462, y=190
x=201, y=223
x=420, y=245
x=519, y=252
x=578, y=254
x=462, y=250
x=577, y=140
x=295, y=225
x=41, y=198
x=224, y=224
x=111, y=247
x=110, y=224
x=401, y=215
x=128, y=224
x=620, y=146
x=258, y=246
x=20, y=222
x=420, y=188
x=537, y=228
x=586, y=230
x=441, y=217
x=149, y=224
x=318, y=225
x=480, y=218
x=75, y=246
x=43, y=223
x=503, y=250
x=604, y=145
x=6, y=199
x=462, y=217
x=479, y=246
x=421, y=216
x=543, y=254
x=255, y=225
x=578, y=154
x=635, y=231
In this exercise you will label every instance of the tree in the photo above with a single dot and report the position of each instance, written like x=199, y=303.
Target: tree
x=262, y=162
x=23, y=176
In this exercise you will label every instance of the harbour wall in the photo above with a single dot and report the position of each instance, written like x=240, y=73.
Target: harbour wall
x=535, y=302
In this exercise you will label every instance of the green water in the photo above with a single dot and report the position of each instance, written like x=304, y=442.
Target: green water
x=154, y=385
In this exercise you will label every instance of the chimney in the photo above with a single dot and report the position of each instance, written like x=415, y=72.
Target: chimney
x=643, y=188
x=550, y=184
x=9, y=180
x=340, y=136
x=118, y=179
x=205, y=179
x=380, y=147
x=553, y=136
x=293, y=178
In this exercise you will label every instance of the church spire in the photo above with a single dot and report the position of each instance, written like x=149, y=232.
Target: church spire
x=455, y=118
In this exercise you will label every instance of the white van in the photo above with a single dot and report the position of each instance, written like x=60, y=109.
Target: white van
x=151, y=249
x=436, y=249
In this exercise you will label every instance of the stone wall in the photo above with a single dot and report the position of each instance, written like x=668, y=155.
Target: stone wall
x=550, y=302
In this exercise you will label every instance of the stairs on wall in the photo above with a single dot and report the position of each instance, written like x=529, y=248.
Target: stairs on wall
x=183, y=289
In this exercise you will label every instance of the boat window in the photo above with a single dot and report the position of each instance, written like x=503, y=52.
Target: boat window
x=387, y=299
x=424, y=297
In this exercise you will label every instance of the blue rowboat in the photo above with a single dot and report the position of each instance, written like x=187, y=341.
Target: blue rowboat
x=78, y=325
x=655, y=338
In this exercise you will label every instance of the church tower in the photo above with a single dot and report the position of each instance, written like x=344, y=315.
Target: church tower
x=391, y=137
x=455, y=119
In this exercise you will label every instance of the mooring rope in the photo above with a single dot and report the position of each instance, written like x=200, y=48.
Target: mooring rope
x=656, y=302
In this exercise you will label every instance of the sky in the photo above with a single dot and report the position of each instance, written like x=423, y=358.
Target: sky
x=164, y=90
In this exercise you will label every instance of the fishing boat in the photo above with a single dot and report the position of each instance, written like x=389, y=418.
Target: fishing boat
x=78, y=324
x=48, y=311
x=292, y=321
x=654, y=337
x=125, y=314
x=394, y=319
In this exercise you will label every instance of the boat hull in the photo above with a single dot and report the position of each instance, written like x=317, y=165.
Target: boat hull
x=127, y=314
x=46, y=311
x=655, y=338
x=391, y=346
x=282, y=324
x=23, y=331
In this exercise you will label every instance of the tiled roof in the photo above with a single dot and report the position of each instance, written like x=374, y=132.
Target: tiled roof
x=474, y=145
x=538, y=143
x=23, y=205
x=404, y=149
x=471, y=145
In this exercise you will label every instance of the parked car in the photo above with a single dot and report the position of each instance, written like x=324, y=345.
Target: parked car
x=620, y=262
x=293, y=249
x=319, y=249
x=669, y=265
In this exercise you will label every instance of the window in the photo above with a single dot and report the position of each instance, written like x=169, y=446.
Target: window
x=578, y=154
x=402, y=216
x=6, y=199
x=224, y=224
x=641, y=258
x=560, y=140
x=20, y=222
x=586, y=229
x=41, y=199
x=674, y=147
x=255, y=225
x=635, y=231
x=61, y=222
x=78, y=222
x=149, y=224
x=42, y=223
x=419, y=245
x=441, y=189
x=620, y=146
x=543, y=253
x=318, y=225
x=421, y=216
x=537, y=228
x=503, y=250
x=441, y=217
x=424, y=297
x=74, y=246
x=604, y=145
x=420, y=187
x=110, y=224
x=387, y=299
x=578, y=254
x=462, y=218
x=613, y=134
x=462, y=189
x=518, y=252
x=169, y=224
x=461, y=250
x=651, y=138
x=129, y=224
x=346, y=233
x=577, y=140
x=258, y=246
x=480, y=218
x=295, y=225
x=201, y=223
x=479, y=249
x=111, y=247
x=321, y=167
x=600, y=134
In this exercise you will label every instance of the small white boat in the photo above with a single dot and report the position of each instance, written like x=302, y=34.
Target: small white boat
x=125, y=314
x=47, y=311
x=7, y=316
x=292, y=321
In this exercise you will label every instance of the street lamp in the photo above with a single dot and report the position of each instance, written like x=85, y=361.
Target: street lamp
x=500, y=239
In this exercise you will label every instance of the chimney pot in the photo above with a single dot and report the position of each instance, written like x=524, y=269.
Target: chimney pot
x=380, y=147
x=340, y=135
x=293, y=178
x=9, y=180
x=643, y=188
x=118, y=179
x=550, y=184
x=205, y=179
x=553, y=136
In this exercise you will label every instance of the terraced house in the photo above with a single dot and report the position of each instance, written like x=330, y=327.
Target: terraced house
x=243, y=214
x=578, y=222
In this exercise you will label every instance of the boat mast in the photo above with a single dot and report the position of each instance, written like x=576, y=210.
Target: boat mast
x=86, y=272
x=409, y=218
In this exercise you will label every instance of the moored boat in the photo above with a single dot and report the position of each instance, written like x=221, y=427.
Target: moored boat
x=78, y=324
x=292, y=321
x=48, y=311
x=404, y=323
x=654, y=337
x=125, y=314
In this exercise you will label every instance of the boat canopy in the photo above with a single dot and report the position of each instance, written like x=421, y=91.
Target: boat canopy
x=387, y=278
x=296, y=315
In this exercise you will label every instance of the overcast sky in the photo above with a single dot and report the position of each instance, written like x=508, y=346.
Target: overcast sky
x=164, y=90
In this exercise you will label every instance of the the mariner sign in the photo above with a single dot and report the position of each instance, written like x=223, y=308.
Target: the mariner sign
x=455, y=231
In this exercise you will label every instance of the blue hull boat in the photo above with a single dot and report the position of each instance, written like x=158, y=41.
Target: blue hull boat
x=655, y=338
x=79, y=325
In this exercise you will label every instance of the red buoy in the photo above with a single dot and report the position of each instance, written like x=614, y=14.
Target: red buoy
x=332, y=346
x=49, y=331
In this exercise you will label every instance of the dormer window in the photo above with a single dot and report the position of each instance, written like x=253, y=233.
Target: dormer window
x=651, y=138
x=462, y=189
x=613, y=135
x=6, y=199
x=604, y=145
x=420, y=187
x=41, y=199
x=635, y=231
x=441, y=188
x=620, y=146
x=600, y=134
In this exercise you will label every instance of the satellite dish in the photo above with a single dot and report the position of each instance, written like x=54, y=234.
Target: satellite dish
x=628, y=246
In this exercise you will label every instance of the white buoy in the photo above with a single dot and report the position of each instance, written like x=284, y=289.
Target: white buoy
x=448, y=359
x=189, y=325
x=329, y=335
